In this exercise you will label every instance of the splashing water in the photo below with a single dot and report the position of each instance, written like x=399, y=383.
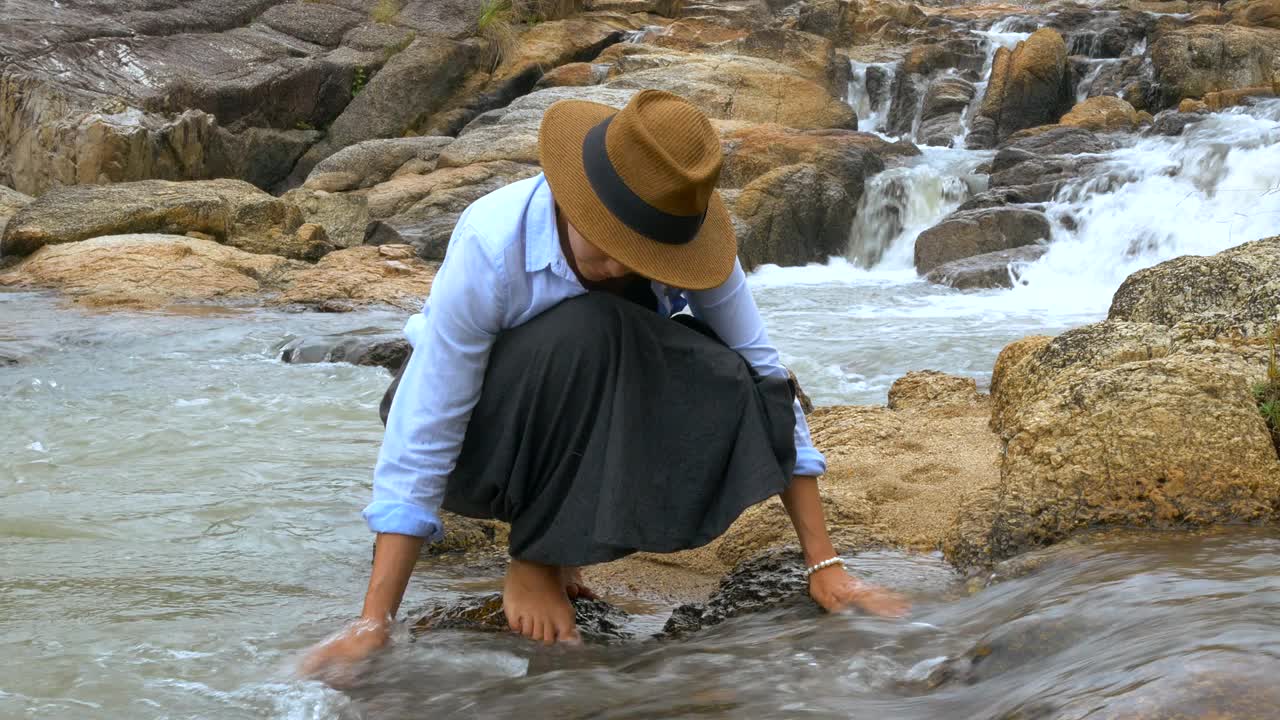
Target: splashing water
x=872, y=107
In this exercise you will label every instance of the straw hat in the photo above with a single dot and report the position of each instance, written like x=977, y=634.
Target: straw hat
x=639, y=183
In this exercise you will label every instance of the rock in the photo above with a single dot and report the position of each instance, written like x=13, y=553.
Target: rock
x=666, y=8
x=751, y=151
x=359, y=347
x=1172, y=123
x=183, y=91
x=1197, y=60
x=813, y=56
x=511, y=133
x=792, y=216
x=415, y=83
x=426, y=207
x=575, y=74
x=1242, y=284
x=344, y=216
x=888, y=20
x=1000, y=196
x=930, y=388
x=806, y=405
x=832, y=19
x=1102, y=114
x=463, y=535
x=150, y=270
x=1223, y=99
x=771, y=580
x=1259, y=14
x=1039, y=178
x=598, y=621
x=371, y=162
x=1055, y=140
x=975, y=232
x=1029, y=86
x=763, y=91
x=11, y=201
x=941, y=116
x=233, y=211
x=311, y=243
x=988, y=270
x=959, y=54
x=1149, y=443
x=359, y=276
x=1191, y=106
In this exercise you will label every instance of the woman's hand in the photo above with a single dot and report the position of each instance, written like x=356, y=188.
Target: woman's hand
x=835, y=589
x=338, y=661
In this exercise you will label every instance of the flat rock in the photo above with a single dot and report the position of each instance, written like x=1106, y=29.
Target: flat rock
x=368, y=163
x=360, y=276
x=231, y=211
x=150, y=270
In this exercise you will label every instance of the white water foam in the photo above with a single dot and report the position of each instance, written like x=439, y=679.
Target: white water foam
x=873, y=112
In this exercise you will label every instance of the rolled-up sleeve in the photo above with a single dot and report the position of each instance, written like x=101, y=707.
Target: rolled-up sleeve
x=731, y=311
x=438, y=390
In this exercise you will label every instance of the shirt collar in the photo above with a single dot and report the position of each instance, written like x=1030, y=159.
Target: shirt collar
x=542, y=237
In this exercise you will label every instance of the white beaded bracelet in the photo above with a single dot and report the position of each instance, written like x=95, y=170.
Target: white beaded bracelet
x=809, y=571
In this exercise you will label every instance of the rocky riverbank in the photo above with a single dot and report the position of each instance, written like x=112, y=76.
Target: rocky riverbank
x=316, y=154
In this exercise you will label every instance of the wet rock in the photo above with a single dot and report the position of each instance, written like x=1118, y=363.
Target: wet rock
x=958, y=54
x=941, y=116
x=751, y=151
x=975, y=232
x=1199, y=688
x=1102, y=114
x=150, y=270
x=771, y=580
x=415, y=83
x=1172, y=123
x=1054, y=140
x=1029, y=86
x=11, y=201
x=344, y=216
x=1242, y=283
x=575, y=74
x=1194, y=61
x=232, y=211
x=371, y=162
x=1011, y=195
x=989, y=270
x=598, y=621
x=360, y=276
x=931, y=388
x=359, y=347
x=422, y=210
x=1223, y=99
x=792, y=216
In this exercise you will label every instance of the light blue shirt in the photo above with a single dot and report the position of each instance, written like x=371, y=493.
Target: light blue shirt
x=504, y=267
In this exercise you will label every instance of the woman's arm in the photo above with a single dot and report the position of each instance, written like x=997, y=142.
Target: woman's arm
x=831, y=587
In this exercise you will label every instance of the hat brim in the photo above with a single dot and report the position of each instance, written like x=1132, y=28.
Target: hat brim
x=704, y=262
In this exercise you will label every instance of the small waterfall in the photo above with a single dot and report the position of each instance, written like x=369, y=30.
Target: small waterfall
x=900, y=203
x=644, y=34
x=1215, y=187
x=871, y=93
x=1084, y=89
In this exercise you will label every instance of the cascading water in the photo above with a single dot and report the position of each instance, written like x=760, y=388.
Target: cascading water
x=870, y=93
x=1000, y=35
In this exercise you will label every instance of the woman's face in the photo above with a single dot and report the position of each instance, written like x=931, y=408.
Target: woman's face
x=593, y=264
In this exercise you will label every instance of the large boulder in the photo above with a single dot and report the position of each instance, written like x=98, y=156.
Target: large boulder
x=754, y=150
x=975, y=232
x=792, y=216
x=416, y=83
x=931, y=388
x=150, y=270
x=735, y=87
x=230, y=211
x=1258, y=13
x=371, y=162
x=344, y=216
x=1029, y=86
x=182, y=90
x=813, y=56
x=1102, y=114
x=1194, y=61
x=941, y=116
x=362, y=276
x=1147, y=419
x=988, y=270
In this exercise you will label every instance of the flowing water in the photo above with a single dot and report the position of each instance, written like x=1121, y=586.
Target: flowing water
x=179, y=510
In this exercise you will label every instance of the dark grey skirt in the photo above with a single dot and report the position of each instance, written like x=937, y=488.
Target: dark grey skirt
x=604, y=428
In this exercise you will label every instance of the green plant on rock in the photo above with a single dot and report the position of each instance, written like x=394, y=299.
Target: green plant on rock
x=358, y=81
x=385, y=11
x=1267, y=392
x=499, y=20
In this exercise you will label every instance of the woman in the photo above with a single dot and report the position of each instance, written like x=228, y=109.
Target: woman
x=555, y=385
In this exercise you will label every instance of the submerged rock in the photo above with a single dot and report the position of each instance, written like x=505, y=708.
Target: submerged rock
x=771, y=580
x=359, y=347
x=975, y=232
x=988, y=270
x=231, y=211
x=598, y=621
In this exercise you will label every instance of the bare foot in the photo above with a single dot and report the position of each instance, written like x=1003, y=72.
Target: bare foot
x=534, y=600
x=574, y=587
